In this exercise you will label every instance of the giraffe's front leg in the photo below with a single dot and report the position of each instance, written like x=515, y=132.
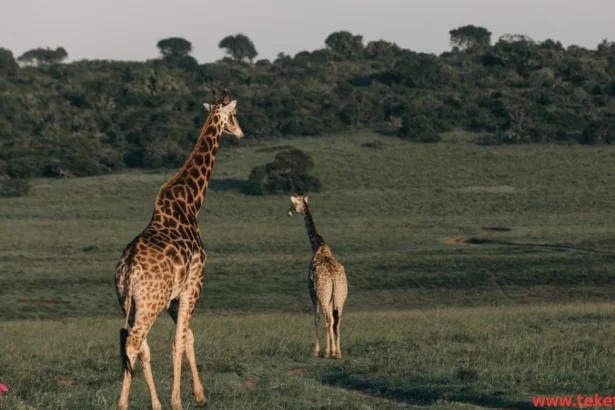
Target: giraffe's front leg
x=179, y=344
x=197, y=387
x=316, y=309
x=199, y=393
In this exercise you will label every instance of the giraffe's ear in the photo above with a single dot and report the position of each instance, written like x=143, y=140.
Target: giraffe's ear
x=207, y=107
x=293, y=199
x=230, y=107
x=305, y=199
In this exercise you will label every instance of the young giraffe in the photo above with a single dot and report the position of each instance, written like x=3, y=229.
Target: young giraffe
x=162, y=268
x=326, y=282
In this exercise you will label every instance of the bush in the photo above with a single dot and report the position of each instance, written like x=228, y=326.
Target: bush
x=288, y=172
x=599, y=131
x=163, y=153
x=418, y=128
x=295, y=159
x=14, y=187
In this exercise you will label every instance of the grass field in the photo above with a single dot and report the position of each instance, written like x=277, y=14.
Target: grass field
x=479, y=276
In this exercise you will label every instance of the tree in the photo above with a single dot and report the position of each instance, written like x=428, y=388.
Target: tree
x=382, y=50
x=239, y=47
x=8, y=65
x=60, y=54
x=347, y=44
x=43, y=56
x=519, y=51
x=470, y=36
x=174, y=47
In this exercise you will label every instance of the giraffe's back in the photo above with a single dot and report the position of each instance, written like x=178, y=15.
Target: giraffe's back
x=327, y=278
x=156, y=263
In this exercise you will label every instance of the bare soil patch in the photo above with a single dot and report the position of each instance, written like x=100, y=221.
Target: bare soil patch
x=455, y=240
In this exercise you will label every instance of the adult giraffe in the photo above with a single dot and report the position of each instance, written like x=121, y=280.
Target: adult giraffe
x=162, y=268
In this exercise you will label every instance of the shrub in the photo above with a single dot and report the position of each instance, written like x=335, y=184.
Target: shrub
x=295, y=159
x=418, y=128
x=14, y=187
x=599, y=131
x=288, y=172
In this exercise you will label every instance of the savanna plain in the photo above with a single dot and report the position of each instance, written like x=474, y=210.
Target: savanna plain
x=479, y=277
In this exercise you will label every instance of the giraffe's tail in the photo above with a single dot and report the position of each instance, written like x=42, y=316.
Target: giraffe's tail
x=126, y=367
x=336, y=312
x=336, y=319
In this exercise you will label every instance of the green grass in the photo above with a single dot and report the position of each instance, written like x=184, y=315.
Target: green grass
x=387, y=213
x=433, y=358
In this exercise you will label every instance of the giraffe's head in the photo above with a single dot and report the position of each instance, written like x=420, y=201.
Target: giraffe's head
x=297, y=204
x=226, y=110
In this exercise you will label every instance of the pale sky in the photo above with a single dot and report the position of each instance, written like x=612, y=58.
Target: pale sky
x=130, y=29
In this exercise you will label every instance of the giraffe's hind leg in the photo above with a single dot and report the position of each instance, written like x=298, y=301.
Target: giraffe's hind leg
x=144, y=356
x=134, y=346
x=197, y=387
x=316, y=311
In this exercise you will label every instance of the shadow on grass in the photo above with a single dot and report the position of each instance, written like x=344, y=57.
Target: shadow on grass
x=419, y=391
x=485, y=241
x=386, y=132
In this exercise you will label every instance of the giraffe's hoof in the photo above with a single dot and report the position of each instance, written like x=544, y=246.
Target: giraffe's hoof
x=338, y=357
x=315, y=353
x=177, y=406
x=201, y=401
x=327, y=355
x=156, y=406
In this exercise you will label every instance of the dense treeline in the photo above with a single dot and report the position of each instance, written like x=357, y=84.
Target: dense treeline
x=90, y=117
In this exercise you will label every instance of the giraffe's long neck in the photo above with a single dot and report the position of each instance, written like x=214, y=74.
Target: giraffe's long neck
x=316, y=239
x=185, y=192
